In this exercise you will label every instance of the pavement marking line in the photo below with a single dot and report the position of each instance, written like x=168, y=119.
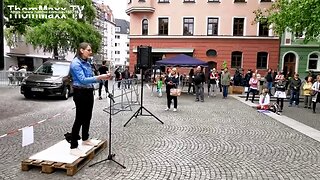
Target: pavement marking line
x=56, y=115
x=4, y=135
x=36, y=123
x=41, y=121
x=298, y=126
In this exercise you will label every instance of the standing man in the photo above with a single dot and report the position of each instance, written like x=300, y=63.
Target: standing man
x=118, y=76
x=199, y=79
x=83, y=80
x=126, y=75
x=103, y=70
x=225, y=82
x=269, y=79
x=295, y=85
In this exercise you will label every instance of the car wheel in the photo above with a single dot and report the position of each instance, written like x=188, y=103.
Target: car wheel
x=66, y=93
x=27, y=96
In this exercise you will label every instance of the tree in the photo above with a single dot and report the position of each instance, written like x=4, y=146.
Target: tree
x=53, y=34
x=66, y=35
x=298, y=16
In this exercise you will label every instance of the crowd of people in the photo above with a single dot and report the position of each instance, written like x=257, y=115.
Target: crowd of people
x=273, y=84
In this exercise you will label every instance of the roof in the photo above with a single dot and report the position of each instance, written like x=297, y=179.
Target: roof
x=124, y=25
x=183, y=61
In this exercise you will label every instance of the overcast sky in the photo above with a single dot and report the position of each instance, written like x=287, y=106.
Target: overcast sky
x=118, y=8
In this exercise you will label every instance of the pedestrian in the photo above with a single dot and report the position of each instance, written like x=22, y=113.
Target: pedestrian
x=118, y=76
x=225, y=82
x=280, y=93
x=316, y=94
x=126, y=76
x=199, y=79
x=191, y=83
x=307, y=88
x=172, y=81
x=269, y=80
x=103, y=70
x=295, y=85
x=253, y=87
x=213, y=77
x=83, y=89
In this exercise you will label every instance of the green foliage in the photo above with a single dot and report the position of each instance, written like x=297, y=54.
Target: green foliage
x=63, y=34
x=296, y=15
x=224, y=64
x=54, y=34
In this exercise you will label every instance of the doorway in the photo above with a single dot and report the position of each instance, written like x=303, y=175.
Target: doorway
x=289, y=64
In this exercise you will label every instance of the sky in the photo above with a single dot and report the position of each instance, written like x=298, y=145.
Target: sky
x=118, y=8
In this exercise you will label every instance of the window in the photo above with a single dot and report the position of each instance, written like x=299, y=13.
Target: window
x=144, y=27
x=117, y=29
x=236, y=59
x=116, y=44
x=211, y=53
x=142, y=0
x=129, y=1
x=239, y=0
x=117, y=36
x=117, y=59
x=189, y=1
x=265, y=0
x=262, y=60
x=163, y=26
x=263, y=28
x=117, y=52
x=213, y=0
x=313, y=61
x=163, y=1
x=238, y=25
x=188, y=26
x=212, y=28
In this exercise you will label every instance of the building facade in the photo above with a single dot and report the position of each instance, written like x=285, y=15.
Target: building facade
x=211, y=30
x=121, y=43
x=297, y=56
x=105, y=24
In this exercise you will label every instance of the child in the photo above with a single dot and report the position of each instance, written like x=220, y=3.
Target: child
x=159, y=86
x=264, y=102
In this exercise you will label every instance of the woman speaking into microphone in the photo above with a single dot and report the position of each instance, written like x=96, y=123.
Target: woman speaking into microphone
x=83, y=80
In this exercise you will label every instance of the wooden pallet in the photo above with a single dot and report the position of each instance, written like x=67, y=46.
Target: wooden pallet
x=72, y=168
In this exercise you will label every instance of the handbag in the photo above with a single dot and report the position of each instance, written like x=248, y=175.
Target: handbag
x=313, y=93
x=175, y=92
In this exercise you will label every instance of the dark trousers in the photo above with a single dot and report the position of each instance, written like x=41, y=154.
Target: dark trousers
x=169, y=99
x=105, y=83
x=254, y=92
x=294, y=96
x=225, y=91
x=280, y=100
x=193, y=88
x=83, y=99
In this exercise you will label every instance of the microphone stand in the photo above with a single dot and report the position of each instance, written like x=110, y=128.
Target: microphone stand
x=110, y=156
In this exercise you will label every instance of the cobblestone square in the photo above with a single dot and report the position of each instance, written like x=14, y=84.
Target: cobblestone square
x=215, y=139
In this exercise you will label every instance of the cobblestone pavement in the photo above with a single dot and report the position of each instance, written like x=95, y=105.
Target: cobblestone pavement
x=216, y=139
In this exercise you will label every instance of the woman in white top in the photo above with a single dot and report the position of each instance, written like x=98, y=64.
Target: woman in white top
x=253, y=87
x=316, y=97
x=264, y=100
